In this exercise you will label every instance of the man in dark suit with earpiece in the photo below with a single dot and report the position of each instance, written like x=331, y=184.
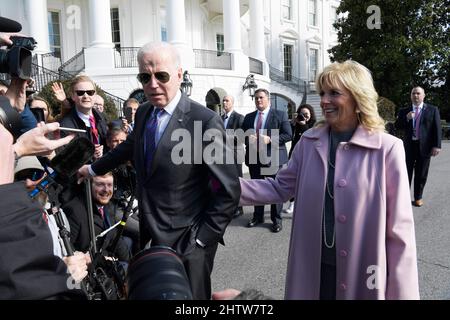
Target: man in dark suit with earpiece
x=232, y=121
x=422, y=139
x=265, y=149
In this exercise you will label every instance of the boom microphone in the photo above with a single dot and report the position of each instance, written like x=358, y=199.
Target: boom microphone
x=66, y=163
x=8, y=25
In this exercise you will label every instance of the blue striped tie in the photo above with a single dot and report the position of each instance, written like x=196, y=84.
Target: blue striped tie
x=150, y=133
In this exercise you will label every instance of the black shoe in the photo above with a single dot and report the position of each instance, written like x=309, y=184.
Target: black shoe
x=254, y=222
x=239, y=212
x=276, y=227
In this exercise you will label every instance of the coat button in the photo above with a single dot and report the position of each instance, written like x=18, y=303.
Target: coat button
x=346, y=147
x=342, y=183
x=343, y=253
x=343, y=286
x=342, y=218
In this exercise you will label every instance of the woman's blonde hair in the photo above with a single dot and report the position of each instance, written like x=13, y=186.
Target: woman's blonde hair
x=357, y=79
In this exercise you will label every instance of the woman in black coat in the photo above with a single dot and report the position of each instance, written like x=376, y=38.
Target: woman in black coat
x=306, y=118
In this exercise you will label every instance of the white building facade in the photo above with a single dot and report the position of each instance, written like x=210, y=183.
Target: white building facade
x=283, y=43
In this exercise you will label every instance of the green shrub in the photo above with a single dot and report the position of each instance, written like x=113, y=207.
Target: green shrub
x=386, y=109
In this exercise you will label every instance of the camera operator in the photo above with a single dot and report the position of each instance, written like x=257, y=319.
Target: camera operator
x=17, y=62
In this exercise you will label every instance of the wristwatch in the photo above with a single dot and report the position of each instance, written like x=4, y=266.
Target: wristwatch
x=201, y=244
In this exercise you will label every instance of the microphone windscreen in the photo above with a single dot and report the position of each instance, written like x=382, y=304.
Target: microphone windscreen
x=77, y=153
x=8, y=25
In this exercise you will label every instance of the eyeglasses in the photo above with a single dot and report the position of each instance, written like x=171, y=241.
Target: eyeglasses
x=82, y=92
x=161, y=76
x=32, y=174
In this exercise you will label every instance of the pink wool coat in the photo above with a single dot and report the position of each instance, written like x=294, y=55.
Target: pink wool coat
x=375, y=240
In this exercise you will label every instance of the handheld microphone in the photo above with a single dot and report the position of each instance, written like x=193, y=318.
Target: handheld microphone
x=66, y=163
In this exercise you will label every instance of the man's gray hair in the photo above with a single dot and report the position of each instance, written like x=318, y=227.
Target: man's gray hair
x=153, y=46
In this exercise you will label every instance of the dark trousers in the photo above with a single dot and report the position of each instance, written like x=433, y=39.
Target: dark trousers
x=418, y=164
x=327, y=282
x=239, y=167
x=275, y=209
x=199, y=265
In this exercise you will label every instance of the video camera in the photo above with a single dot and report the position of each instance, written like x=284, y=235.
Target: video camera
x=16, y=60
x=301, y=117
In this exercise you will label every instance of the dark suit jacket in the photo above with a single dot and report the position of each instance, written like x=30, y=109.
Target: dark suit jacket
x=430, y=129
x=237, y=142
x=276, y=119
x=72, y=120
x=235, y=121
x=179, y=202
x=28, y=267
x=76, y=212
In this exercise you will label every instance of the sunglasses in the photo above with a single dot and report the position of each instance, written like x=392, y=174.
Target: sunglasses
x=32, y=174
x=82, y=92
x=161, y=76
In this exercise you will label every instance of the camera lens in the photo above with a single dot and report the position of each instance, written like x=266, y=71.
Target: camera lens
x=158, y=274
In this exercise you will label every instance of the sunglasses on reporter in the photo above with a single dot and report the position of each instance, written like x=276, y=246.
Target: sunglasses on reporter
x=82, y=92
x=32, y=174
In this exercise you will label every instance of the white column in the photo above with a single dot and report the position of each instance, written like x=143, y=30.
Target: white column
x=232, y=36
x=36, y=14
x=176, y=22
x=176, y=32
x=257, y=47
x=232, y=26
x=99, y=56
x=100, y=23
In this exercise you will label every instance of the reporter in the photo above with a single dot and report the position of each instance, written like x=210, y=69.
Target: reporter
x=33, y=142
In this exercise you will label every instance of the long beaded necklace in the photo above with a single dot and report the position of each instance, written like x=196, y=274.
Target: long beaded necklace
x=331, y=195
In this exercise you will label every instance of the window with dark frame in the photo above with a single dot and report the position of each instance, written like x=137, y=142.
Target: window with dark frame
x=54, y=33
x=287, y=61
x=220, y=44
x=115, y=27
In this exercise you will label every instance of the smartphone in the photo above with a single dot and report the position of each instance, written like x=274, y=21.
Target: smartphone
x=38, y=114
x=128, y=113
